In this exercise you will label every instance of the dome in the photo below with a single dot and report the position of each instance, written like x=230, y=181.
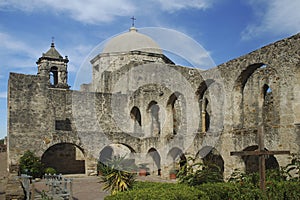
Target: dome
x=131, y=41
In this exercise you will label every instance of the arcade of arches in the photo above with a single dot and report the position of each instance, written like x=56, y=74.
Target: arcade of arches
x=141, y=105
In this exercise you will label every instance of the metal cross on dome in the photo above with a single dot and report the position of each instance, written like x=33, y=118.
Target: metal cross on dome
x=133, y=19
x=261, y=153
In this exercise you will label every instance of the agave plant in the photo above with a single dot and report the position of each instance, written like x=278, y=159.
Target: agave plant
x=117, y=175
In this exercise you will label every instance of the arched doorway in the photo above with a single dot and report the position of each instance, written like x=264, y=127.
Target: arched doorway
x=154, y=162
x=211, y=158
x=115, y=151
x=178, y=158
x=252, y=162
x=65, y=158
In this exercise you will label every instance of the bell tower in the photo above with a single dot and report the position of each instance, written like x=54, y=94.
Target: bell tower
x=53, y=66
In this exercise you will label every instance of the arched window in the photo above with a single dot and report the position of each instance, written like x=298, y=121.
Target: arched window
x=175, y=105
x=54, y=76
x=204, y=104
x=153, y=109
x=268, y=106
x=205, y=116
x=135, y=114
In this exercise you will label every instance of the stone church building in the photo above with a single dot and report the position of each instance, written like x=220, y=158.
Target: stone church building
x=141, y=105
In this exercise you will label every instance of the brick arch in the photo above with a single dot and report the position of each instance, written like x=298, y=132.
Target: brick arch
x=65, y=158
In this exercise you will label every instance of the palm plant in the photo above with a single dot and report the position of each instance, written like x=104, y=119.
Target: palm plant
x=117, y=175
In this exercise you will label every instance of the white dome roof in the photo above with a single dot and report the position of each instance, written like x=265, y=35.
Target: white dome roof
x=131, y=41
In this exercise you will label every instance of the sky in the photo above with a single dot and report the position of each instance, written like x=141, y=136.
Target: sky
x=226, y=29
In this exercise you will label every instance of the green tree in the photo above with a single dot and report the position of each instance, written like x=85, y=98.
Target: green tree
x=31, y=165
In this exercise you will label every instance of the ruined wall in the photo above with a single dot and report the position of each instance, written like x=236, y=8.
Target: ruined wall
x=245, y=78
x=29, y=114
x=154, y=108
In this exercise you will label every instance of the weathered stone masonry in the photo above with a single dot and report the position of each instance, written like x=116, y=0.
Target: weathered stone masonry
x=124, y=109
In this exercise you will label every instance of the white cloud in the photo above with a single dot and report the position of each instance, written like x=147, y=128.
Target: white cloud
x=277, y=17
x=99, y=11
x=16, y=55
x=174, y=5
x=3, y=95
x=10, y=44
x=87, y=11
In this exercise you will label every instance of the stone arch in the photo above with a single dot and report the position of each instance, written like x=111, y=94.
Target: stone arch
x=135, y=114
x=203, y=104
x=177, y=156
x=136, y=118
x=203, y=87
x=54, y=76
x=175, y=108
x=211, y=158
x=65, y=158
x=106, y=154
x=155, y=161
x=211, y=103
x=115, y=150
x=254, y=92
x=268, y=116
x=238, y=92
x=245, y=75
x=153, y=109
x=252, y=163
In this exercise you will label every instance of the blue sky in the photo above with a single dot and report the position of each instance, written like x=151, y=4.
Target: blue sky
x=225, y=28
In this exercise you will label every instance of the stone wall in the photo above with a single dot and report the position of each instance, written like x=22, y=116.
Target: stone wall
x=158, y=107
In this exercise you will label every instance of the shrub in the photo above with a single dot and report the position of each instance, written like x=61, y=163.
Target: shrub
x=198, y=173
x=286, y=190
x=233, y=191
x=160, y=191
x=283, y=190
x=31, y=165
x=50, y=170
x=116, y=175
